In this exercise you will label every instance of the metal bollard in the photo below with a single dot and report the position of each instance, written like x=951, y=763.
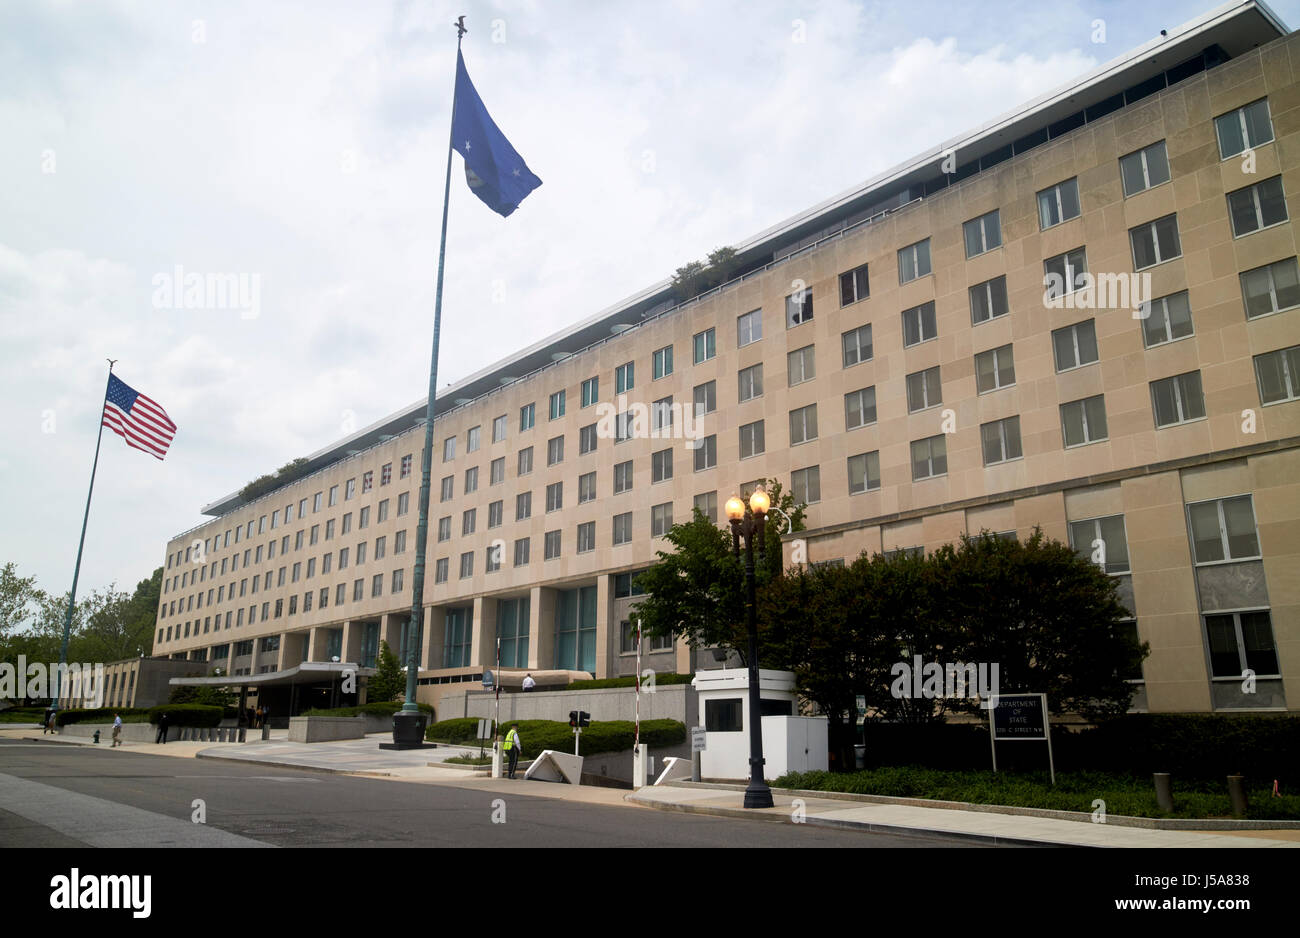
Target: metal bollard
x=1164, y=791
x=1237, y=794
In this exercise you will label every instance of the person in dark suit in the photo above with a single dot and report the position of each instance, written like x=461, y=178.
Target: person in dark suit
x=162, y=729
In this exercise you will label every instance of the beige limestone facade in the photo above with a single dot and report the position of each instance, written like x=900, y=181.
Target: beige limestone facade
x=939, y=392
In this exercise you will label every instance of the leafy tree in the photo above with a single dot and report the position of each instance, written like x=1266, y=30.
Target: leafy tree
x=289, y=472
x=694, y=278
x=18, y=597
x=389, y=680
x=697, y=590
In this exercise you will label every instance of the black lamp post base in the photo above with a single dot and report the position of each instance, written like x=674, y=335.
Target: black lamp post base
x=408, y=729
x=758, y=796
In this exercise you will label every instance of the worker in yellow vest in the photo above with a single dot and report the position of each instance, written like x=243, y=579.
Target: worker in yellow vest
x=512, y=747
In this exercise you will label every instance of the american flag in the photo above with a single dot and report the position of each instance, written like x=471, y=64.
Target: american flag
x=137, y=419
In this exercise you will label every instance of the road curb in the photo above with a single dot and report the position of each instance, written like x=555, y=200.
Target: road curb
x=841, y=824
x=301, y=768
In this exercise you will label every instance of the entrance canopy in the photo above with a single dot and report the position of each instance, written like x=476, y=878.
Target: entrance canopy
x=309, y=672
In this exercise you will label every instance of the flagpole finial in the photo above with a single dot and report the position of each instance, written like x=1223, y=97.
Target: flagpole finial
x=111, y=363
x=461, y=29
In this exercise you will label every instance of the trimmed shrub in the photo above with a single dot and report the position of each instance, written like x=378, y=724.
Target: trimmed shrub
x=186, y=714
x=453, y=731
x=99, y=715
x=377, y=709
x=664, y=679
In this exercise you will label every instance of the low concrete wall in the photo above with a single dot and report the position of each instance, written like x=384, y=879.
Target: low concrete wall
x=670, y=702
x=325, y=729
x=617, y=766
x=148, y=733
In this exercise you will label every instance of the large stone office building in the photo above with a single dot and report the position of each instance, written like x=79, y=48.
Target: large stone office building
x=1084, y=316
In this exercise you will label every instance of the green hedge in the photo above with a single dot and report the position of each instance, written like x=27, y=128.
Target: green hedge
x=664, y=679
x=377, y=709
x=1188, y=746
x=99, y=715
x=187, y=714
x=453, y=731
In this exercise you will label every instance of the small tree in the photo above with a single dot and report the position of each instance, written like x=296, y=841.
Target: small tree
x=389, y=679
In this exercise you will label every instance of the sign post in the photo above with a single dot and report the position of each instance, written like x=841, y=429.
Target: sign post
x=1018, y=717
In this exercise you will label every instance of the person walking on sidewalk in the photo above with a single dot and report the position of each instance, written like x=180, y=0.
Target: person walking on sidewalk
x=162, y=730
x=48, y=726
x=512, y=747
x=117, y=730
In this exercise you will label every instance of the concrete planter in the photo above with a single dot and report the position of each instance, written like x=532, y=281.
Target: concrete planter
x=327, y=729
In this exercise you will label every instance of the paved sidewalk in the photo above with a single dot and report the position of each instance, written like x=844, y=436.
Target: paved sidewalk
x=985, y=826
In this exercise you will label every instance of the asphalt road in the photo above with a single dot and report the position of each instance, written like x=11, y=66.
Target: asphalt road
x=69, y=796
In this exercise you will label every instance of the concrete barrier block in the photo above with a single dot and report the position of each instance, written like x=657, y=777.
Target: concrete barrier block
x=675, y=769
x=552, y=766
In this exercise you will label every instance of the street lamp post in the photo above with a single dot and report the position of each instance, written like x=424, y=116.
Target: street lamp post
x=757, y=795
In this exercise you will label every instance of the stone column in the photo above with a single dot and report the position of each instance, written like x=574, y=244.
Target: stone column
x=541, y=629
x=607, y=644
x=483, y=652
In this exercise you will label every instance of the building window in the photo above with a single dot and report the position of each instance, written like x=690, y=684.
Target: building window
x=806, y=485
x=376, y=585
x=590, y=392
x=496, y=472
x=661, y=519
x=982, y=234
x=749, y=328
x=994, y=369
x=492, y=558
x=705, y=398
x=798, y=308
x=557, y=405
x=1058, y=203
x=860, y=408
x=527, y=417
x=521, y=552
x=706, y=453
x=471, y=480
x=856, y=345
x=448, y=484
x=587, y=488
x=587, y=440
x=623, y=477
x=586, y=537
x=1244, y=128
x=403, y=503
x=379, y=547
x=803, y=424
x=624, y=377
x=801, y=365
x=1075, y=345
x=707, y=504
x=329, y=536
x=1102, y=540
x=512, y=629
x=1278, y=375
x=1223, y=529
x=1064, y=273
x=555, y=496
x=468, y=521
x=439, y=571
x=472, y=436
x=551, y=545
x=705, y=346
x=1178, y=399
x=525, y=461
x=661, y=416
x=499, y=428
x=864, y=472
x=623, y=427
x=923, y=390
x=623, y=528
x=750, y=382
x=399, y=542
x=363, y=518
x=449, y=449
x=854, y=286
x=1083, y=421
x=1268, y=289
x=751, y=439
x=466, y=565
x=914, y=261
x=1258, y=206
x=344, y=553
x=929, y=458
x=397, y=582
x=1001, y=440
x=358, y=590
x=1167, y=319
x=1241, y=642
x=405, y=469
x=1155, y=242
x=919, y=324
x=663, y=362
x=1144, y=169
x=555, y=451
x=458, y=637
x=523, y=506
x=661, y=465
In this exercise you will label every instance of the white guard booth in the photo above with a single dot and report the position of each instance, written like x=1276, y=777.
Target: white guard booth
x=790, y=743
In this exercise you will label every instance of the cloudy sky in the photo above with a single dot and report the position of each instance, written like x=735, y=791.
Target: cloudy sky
x=304, y=146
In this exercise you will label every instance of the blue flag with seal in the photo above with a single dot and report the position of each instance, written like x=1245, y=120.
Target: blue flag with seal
x=496, y=173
